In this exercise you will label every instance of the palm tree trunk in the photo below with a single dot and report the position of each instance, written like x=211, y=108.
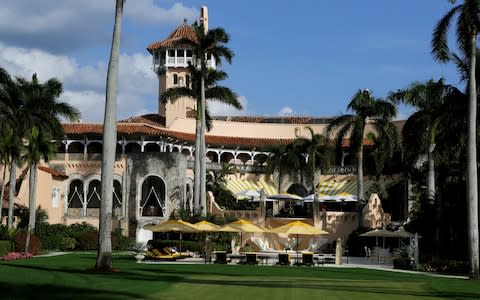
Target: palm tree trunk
x=203, y=171
x=198, y=151
x=32, y=205
x=360, y=193
x=431, y=175
x=3, y=190
x=472, y=183
x=104, y=257
x=11, y=195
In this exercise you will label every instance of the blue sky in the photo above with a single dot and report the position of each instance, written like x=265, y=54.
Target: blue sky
x=304, y=57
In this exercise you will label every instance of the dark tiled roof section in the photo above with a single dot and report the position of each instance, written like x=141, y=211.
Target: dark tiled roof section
x=150, y=119
x=184, y=31
x=54, y=172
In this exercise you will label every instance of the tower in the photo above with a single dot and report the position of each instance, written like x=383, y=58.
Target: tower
x=170, y=62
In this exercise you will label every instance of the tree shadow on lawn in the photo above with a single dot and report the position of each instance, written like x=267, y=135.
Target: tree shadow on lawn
x=333, y=284
x=27, y=291
x=169, y=275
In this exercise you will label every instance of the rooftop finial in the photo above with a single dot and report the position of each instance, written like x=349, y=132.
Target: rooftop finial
x=185, y=21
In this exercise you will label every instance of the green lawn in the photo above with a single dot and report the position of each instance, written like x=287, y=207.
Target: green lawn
x=65, y=277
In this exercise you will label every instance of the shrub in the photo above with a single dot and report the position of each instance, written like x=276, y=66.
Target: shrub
x=51, y=235
x=35, y=244
x=67, y=243
x=122, y=242
x=87, y=241
x=403, y=263
x=76, y=229
x=5, y=247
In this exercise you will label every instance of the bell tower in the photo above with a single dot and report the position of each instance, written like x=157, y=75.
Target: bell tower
x=170, y=61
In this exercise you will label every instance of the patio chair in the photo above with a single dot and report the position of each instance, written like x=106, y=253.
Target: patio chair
x=307, y=258
x=283, y=259
x=251, y=258
x=220, y=257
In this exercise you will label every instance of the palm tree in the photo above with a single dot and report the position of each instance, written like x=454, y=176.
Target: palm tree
x=40, y=113
x=421, y=127
x=468, y=25
x=315, y=150
x=213, y=92
x=104, y=255
x=6, y=139
x=209, y=45
x=367, y=110
x=285, y=160
x=38, y=146
x=10, y=105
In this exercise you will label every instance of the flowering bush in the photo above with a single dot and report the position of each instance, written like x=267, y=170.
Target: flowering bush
x=16, y=255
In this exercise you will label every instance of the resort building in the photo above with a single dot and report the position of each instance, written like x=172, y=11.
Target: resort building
x=154, y=164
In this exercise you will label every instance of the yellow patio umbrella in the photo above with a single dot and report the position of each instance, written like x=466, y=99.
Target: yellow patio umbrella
x=297, y=228
x=173, y=226
x=241, y=226
x=206, y=226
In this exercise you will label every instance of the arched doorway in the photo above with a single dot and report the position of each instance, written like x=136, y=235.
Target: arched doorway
x=152, y=201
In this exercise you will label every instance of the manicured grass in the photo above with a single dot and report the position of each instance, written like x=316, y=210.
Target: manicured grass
x=65, y=277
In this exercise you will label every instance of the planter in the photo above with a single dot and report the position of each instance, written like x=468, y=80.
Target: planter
x=139, y=257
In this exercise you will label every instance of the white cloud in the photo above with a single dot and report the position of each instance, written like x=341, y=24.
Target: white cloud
x=85, y=85
x=67, y=25
x=147, y=11
x=286, y=111
x=220, y=109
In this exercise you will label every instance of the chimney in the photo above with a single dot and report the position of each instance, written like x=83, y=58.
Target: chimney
x=204, y=17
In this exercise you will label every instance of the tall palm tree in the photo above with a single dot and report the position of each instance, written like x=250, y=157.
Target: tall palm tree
x=315, y=150
x=209, y=45
x=420, y=130
x=468, y=25
x=104, y=255
x=213, y=92
x=367, y=110
x=10, y=105
x=311, y=147
x=38, y=146
x=285, y=160
x=6, y=140
x=40, y=113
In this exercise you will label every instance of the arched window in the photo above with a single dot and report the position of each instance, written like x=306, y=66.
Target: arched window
x=94, y=198
x=152, y=202
x=187, y=80
x=75, y=202
x=175, y=79
x=117, y=199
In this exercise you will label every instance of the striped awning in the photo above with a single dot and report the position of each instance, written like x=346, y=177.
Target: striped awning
x=347, y=186
x=238, y=185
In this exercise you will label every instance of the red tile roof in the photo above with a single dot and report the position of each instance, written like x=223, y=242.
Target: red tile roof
x=54, y=172
x=184, y=31
x=135, y=129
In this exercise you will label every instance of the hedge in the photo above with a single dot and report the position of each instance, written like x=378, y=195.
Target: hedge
x=5, y=247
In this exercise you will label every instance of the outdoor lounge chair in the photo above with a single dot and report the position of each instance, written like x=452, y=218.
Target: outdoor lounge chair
x=155, y=254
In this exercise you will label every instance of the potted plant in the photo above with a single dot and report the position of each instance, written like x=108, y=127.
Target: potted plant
x=139, y=249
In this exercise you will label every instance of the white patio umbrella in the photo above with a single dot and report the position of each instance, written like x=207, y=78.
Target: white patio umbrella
x=383, y=233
